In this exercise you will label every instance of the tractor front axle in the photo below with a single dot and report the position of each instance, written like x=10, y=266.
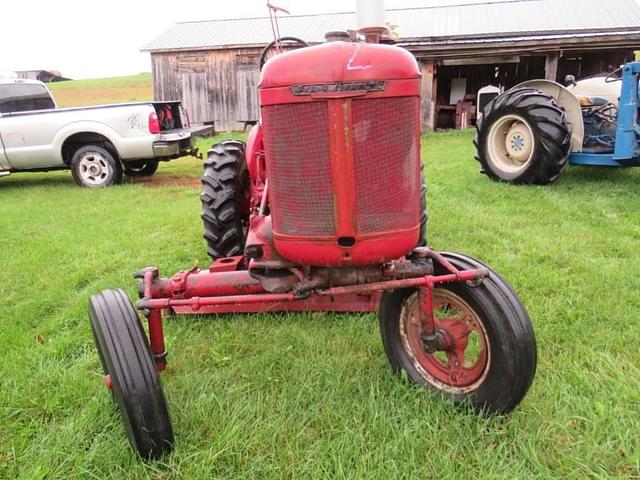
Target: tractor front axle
x=220, y=289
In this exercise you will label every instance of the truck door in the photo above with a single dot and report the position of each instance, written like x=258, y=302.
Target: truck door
x=4, y=164
x=25, y=128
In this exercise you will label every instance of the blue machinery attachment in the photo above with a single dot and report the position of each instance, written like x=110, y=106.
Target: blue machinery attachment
x=627, y=152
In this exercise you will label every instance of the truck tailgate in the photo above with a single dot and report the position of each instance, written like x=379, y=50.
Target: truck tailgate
x=201, y=130
x=180, y=134
x=174, y=135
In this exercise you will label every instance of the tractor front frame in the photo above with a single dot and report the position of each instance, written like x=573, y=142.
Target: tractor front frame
x=223, y=288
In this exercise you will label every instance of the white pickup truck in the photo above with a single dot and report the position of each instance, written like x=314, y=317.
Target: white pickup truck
x=98, y=144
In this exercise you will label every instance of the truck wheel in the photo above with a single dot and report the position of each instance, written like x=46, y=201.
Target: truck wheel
x=225, y=187
x=492, y=358
x=141, y=168
x=95, y=167
x=523, y=137
x=135, y=385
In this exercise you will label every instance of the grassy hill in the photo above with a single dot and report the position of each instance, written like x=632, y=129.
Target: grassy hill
x=75, y=93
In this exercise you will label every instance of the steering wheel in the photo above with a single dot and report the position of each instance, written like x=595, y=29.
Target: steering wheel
x=285, y=42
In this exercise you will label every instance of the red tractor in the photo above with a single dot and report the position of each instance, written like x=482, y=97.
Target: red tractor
x=323, y=209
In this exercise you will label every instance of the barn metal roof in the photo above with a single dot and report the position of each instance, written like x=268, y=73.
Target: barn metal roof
x=492, y=18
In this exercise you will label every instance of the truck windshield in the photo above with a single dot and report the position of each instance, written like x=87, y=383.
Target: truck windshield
x=21, y=97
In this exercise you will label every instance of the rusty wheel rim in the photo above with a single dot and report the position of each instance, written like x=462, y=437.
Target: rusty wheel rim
x=463, y=367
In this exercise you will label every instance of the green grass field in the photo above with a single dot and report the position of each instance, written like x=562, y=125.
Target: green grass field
x=76, y=93
x=312, y=395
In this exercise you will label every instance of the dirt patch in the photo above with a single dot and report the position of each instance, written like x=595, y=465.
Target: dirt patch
x=157, y=181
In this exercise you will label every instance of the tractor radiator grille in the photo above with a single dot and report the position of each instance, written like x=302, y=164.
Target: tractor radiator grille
x=297, y=144
x=385, y=145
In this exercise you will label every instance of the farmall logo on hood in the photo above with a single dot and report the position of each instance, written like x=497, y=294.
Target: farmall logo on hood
x=364, y=85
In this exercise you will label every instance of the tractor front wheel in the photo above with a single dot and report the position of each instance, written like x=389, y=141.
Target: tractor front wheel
x=523, y=137
x=131, y=373
x=224, y=197
x=490, y=359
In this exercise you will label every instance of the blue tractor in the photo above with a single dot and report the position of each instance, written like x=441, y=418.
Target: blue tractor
x=532, y=132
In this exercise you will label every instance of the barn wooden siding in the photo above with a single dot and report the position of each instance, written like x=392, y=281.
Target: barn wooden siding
x=214, y=85
x=221, y=85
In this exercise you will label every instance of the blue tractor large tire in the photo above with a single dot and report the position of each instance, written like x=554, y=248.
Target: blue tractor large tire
x=523, y=137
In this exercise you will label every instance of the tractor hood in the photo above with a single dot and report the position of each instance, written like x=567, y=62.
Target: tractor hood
x=339, y=62
x=597, y=87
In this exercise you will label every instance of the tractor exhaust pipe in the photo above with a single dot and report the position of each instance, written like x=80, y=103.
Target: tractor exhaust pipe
x=370, y=17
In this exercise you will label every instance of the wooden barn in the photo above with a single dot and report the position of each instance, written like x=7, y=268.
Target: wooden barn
x=213, y=65
x=46, y=76
x=217, y=85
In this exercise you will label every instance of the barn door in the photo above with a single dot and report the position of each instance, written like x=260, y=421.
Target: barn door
x=247, y=78
x=194, y=86
x=194, y=96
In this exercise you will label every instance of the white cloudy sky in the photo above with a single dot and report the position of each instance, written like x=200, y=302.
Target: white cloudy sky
x=99, y=38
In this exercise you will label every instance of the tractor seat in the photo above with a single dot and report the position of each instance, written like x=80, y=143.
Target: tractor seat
x=593, y=101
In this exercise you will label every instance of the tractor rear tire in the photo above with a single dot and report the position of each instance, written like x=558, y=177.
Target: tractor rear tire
x=523, y=137
x=492, y=361
x=135, y=384
x=225, y=186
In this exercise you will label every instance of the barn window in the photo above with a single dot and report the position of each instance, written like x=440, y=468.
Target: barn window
x=192, y=64
x=247, y=59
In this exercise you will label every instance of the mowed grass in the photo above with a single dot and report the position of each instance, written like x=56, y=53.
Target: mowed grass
x=312, y=395
x=77, y=93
